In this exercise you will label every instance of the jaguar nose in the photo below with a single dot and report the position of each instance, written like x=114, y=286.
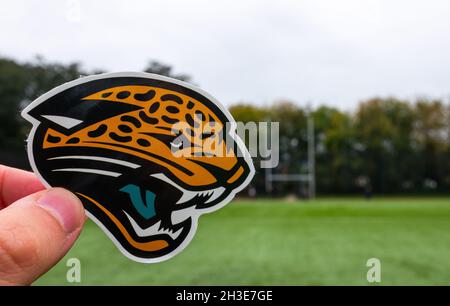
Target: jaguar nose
x=235, y=175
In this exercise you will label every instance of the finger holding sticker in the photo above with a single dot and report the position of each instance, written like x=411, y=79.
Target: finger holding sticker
x=147, y=156
x=37, y=226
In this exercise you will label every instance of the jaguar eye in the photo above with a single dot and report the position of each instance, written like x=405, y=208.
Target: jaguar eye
x=180, y=142
x=176, y=145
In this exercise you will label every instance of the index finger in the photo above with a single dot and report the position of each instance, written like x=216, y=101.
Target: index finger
x=16, y=184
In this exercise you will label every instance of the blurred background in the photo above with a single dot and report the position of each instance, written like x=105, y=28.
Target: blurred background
x=361, y=91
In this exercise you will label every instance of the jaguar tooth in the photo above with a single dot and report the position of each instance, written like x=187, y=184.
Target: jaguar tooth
x=177, y=233
x=152, y=229
x=181, y=215
x=144, y=232
x=217, y=192
x=155, y=229
x=187, y=196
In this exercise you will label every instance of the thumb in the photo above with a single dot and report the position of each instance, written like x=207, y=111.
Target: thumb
x=36, y=232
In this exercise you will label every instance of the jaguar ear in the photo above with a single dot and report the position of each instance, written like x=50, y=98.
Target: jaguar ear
x=71, y=114
x=65, y=122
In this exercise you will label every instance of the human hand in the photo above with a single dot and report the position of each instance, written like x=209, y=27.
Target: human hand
x=37, y=226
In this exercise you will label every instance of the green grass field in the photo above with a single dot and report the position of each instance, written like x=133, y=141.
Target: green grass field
x=271, y=242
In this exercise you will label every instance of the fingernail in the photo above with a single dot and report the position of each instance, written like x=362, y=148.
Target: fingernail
x=64, y=206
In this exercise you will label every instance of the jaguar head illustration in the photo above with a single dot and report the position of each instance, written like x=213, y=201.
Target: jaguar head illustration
x=147, y=155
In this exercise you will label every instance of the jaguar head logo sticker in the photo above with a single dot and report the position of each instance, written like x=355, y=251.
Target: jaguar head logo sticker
x=147, y=155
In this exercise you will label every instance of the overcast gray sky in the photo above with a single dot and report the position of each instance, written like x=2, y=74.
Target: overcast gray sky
x=335, y=52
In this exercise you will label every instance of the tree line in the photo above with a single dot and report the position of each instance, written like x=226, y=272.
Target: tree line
x=386, y=144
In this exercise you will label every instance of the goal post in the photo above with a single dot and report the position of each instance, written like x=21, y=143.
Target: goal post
x=309, y=178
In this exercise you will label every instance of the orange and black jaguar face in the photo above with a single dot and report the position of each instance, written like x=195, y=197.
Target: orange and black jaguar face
x=147, y=155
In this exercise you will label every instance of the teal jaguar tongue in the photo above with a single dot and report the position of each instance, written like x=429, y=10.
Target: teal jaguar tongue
x=147, y=208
